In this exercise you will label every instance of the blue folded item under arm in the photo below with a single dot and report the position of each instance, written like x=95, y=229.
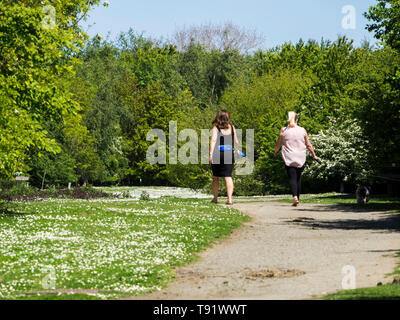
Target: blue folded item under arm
x=225, y=148
x=230, y=148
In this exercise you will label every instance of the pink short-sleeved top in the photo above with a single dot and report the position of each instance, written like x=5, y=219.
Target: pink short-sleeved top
x=294, y=149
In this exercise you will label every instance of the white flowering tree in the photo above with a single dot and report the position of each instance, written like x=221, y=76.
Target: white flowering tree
x=343, y=150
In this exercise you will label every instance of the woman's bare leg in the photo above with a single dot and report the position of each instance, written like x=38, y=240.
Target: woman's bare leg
x=215, y=188
x=229, y=188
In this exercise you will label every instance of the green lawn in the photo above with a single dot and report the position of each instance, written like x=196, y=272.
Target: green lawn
x=78, y=249
x=384, y=292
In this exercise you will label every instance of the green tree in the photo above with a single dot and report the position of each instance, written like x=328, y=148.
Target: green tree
x=383, y=112
x=49, y=169
x=149, y=108
x=385, y=22
x=96, y=88
x=34, y=55
x=263, y=105
x=265, y=100
x=376, y=95
x=78, y=160
x=151, y=62
x=193, y=68
x=329, y=66
x=80, y=146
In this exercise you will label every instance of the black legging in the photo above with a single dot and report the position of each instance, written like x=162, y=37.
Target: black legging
x=295, y=180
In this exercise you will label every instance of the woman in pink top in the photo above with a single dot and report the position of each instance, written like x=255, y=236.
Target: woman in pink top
x=294, y=142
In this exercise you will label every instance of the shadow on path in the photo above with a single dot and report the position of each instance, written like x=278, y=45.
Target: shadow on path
x=390, y=207
x=385, y=222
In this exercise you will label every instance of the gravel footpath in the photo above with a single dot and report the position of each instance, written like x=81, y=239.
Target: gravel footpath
x=291, y=253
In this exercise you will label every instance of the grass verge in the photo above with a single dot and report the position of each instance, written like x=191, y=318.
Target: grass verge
x=384, y=292
x=390, y=291
x=103, y=249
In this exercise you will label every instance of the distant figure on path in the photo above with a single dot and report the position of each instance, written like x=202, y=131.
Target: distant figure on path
x=294, y=142
x=224, y=143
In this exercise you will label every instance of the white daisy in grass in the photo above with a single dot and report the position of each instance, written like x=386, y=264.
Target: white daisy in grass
x=156, y=192
x=112, y=248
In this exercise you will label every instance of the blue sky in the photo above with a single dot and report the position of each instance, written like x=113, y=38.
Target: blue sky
x=277, y=20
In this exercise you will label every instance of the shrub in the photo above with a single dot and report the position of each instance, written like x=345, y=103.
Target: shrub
x=344, y=152
x=16, y=191
x=21, y=192
x=125, y=194
x=144, y=196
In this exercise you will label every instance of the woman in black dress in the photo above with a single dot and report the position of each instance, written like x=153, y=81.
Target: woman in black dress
x=223, y=143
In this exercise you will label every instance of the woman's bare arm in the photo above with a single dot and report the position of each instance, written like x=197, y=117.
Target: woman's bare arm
x=213, y=142
x=235, y=140
x=310, y=146
x=279, y=143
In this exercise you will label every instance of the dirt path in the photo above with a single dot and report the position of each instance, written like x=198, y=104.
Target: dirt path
x=291, y=253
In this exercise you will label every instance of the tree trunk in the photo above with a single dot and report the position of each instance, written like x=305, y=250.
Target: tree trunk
x=44, y=176
x=212, y=89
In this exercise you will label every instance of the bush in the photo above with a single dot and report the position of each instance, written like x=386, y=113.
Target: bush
x=249, y=185
x=144, y=196
x=88, y=192
x=344, y=152
x=14, y=191
x=125, y=194
x=189, y=176
x=5, y=206
x=20, y=192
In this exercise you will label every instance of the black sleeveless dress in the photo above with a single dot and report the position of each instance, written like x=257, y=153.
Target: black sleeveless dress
x=223, y=161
